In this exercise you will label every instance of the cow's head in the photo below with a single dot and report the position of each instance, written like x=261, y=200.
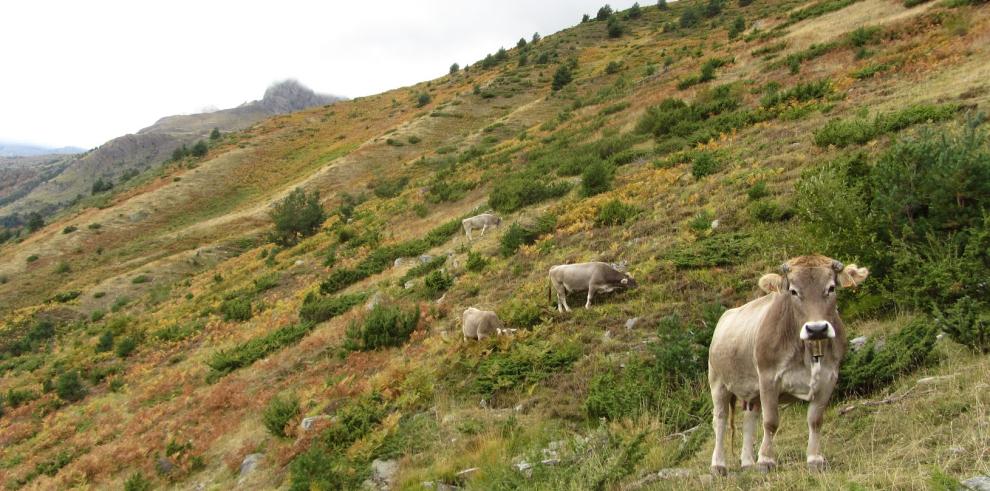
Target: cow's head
x=809, y=284
x=628, y=281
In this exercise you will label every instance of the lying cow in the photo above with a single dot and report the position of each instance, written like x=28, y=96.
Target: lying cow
x=593, y=278
x=787, y=344
x=482, y=221
x=480, y=324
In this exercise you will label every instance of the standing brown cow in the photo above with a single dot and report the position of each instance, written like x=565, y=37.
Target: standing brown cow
x=786, y=344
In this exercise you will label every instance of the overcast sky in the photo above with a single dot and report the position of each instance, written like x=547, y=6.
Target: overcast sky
x=83, y=72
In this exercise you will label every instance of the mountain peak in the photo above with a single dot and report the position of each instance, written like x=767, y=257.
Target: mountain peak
x=290, y=95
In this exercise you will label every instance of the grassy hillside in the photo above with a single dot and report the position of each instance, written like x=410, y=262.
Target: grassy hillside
x=157, y=338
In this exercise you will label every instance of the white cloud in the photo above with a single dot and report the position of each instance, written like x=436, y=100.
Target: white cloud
x=81, y=73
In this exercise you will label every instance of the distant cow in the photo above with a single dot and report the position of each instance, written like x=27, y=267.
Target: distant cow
x=480, y=324
x=593, y=278
x=482, y=221
x=784, y=345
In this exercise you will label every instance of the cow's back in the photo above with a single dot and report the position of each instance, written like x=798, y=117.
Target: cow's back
x=731, y=357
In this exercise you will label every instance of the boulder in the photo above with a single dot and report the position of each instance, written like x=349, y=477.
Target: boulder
x=374, y=300
x=308, y=422
x=425, y=258
x=164, y=466
x=857, y=343
x=631, y=323
x=249, y=464
x=977, y=483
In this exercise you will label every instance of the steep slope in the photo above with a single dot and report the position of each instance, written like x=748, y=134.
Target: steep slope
x=123, y=157
x=164, y=340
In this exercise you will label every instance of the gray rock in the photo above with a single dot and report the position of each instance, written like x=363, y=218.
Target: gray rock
x=425, y=258
x=384, y=471
x=525, y=468
x=957, y=450
x=374, y=300
x=715, y=224
x=249, y=464
x=398, y=262
x=409, y=284
x=977, y=483
x=299, y=262
x=631, y=323
x=164, y=466
x=308, y=423
x=857, y=343
x=467, y=472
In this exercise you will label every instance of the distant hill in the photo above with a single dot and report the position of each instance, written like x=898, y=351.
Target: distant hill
x=12, y=149
x=132, y=154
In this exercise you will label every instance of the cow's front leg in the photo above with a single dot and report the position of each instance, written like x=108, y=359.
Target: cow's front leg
x=768, y=402
x=816, y=413
x=591, y=294
x=750, y=416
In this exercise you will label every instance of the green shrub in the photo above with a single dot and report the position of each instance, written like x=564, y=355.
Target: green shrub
x=237, y=309
x=385, y=326
x=423, y=268
x=382, y=257
x=244, y=354
x=758, y=190
x=62, y=267
x=870, y=368
x=520, y=313
x=105, y=342
x=614, y=27
x=604, y=12
x=870, y=71
x=561, y=78
x=615, y=212
x=518, y=235
x=141, y=278
x=475, y=262
x=522, y=364
x=178, y=332
x=97, y=315
x=69, y=387
x=967, y=322
x=845, y=132
x=861, y=36
x=317, y=308
x=818, y=9
x=199, y=149
x=704, y=164
x=137, y=482
x=279, y=412
x=596, y=178
x=69, y=296
x=296, y=216
x=69, y=229
x=18, y=397
x=266, y=282
x=437, y=282
x=802, y=92
x=689, y=17
x=717, y=250
x=126, y=346
x=769, y=211
x=517, y=191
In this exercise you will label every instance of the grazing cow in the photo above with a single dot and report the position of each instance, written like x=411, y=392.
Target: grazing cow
x=593, y=277
x=480, y=324
x=482, y=221
x=784, y=345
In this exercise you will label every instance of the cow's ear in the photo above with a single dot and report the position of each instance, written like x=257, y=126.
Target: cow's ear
x=624, y=281
x=852, y=275
x=771, y=282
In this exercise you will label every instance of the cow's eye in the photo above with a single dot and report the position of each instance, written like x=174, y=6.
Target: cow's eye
x=831, y=289
x=794, y=292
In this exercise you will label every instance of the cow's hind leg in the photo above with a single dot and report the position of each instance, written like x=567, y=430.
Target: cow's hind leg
x=750, y=417
x=591, y=294
x=483, y=230
x=721, y=399
x=561, y=296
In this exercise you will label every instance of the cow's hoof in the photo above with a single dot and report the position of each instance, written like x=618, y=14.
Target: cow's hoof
x=766, y=467
x=719, y=471
x=746, y=467
x=817, y=464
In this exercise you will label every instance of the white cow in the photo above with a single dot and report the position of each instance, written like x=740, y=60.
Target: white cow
x=787, y=344
x=594, y=277
x=482, y=221
x=479, y=324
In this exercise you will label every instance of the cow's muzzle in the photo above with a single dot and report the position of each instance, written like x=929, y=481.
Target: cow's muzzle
x=816, y=330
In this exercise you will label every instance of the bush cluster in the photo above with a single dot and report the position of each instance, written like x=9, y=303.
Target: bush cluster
x=522, y=364
x=520, y=190
x=318, y=308
x=384, y=327
x=518, y=235
x=244, y=354
x=278, y=413
x=615, y=212
x=845, y=132
x=298, y=215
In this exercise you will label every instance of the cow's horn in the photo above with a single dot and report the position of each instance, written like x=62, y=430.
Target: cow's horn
x=785, y=268
x=837, y=266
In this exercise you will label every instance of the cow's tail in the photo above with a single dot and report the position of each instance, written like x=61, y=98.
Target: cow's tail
x=732, y=422
x=549, y=291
